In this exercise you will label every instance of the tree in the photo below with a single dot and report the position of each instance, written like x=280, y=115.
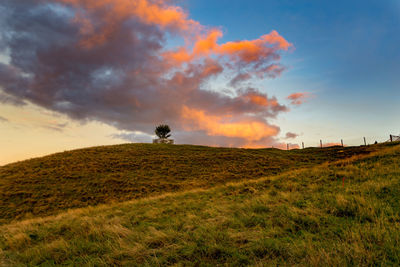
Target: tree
x=162, y=131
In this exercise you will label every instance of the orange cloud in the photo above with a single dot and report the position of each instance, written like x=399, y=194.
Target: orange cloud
x=177, y=57
x=150, y=12
x=204, y=46
x=157, y=14
x=255, y=50
x=222, y=126
x=274, y=38
x=260, y=99
x=111, y=12
x=246, y=51
x=298, y=98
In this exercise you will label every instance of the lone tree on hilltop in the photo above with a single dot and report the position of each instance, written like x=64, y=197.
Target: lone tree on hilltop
x=162, y=131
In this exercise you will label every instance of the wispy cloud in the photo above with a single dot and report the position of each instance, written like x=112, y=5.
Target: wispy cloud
x=137, y=137
x=58, y=127
x=290, y=135
x=299, y=98
x=2, y=119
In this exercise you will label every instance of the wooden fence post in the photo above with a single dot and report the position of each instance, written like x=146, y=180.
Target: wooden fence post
x=320, y=141
x=302, y=144
x=341, y=140
x=365, y=142
x=391, y=138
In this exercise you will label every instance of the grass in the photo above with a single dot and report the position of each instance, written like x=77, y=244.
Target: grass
x=88, y=177
x=298, y=217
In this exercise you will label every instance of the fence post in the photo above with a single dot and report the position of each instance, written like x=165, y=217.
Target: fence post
x=320, y=141
x=365, y=142
x=302, y=144
x=287, y=147
x=341, y=140
x=391, y=138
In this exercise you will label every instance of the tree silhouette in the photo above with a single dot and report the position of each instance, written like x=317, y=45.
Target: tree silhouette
x=162, y=131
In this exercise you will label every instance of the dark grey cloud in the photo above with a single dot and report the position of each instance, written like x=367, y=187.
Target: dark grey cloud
x=290, y=135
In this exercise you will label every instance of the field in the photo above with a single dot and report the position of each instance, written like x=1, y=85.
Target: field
x=107, y=174
x=186, y=205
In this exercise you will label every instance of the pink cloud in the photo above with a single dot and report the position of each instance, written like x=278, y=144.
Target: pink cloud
x=298, y=98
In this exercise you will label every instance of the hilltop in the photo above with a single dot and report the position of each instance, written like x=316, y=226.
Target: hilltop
x=107, y=174
x=308, y=216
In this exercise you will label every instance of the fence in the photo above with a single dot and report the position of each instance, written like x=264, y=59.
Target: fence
x=393, y=138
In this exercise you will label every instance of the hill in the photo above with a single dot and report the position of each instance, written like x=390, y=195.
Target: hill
x=309, y=216
x=98, y=175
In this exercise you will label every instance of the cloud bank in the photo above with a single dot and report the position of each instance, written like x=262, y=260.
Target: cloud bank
x=113, y=61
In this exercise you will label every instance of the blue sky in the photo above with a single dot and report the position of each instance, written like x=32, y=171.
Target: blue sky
x=346, y=54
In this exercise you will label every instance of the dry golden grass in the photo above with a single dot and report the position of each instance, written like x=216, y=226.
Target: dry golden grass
x=88, y=177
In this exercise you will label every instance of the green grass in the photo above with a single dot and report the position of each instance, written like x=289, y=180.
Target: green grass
x=108, y=174
x=297, y=217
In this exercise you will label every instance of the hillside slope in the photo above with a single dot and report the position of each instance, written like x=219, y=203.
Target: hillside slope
x=92, y=176
x=309, y=216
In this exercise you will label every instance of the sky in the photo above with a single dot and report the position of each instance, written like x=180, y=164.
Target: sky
x=221, y=73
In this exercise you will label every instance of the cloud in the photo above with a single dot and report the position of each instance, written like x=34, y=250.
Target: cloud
x=249, y=57
x=137, y=137
x=290, y=135
x=239, y=78
x=114, y=13
x=228, y=126
x=112, y=61
x=254, y=50
x=298, y=98
x=2, y=119
x=58, y=127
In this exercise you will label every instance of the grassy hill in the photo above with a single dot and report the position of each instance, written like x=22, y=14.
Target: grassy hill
x=307, y=216
x=107, y=174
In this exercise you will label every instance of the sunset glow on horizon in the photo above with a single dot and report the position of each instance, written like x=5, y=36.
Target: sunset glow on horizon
x=78, y=73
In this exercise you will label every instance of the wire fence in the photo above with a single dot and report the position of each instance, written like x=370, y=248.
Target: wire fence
x=322, y=144
x=394, y=138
